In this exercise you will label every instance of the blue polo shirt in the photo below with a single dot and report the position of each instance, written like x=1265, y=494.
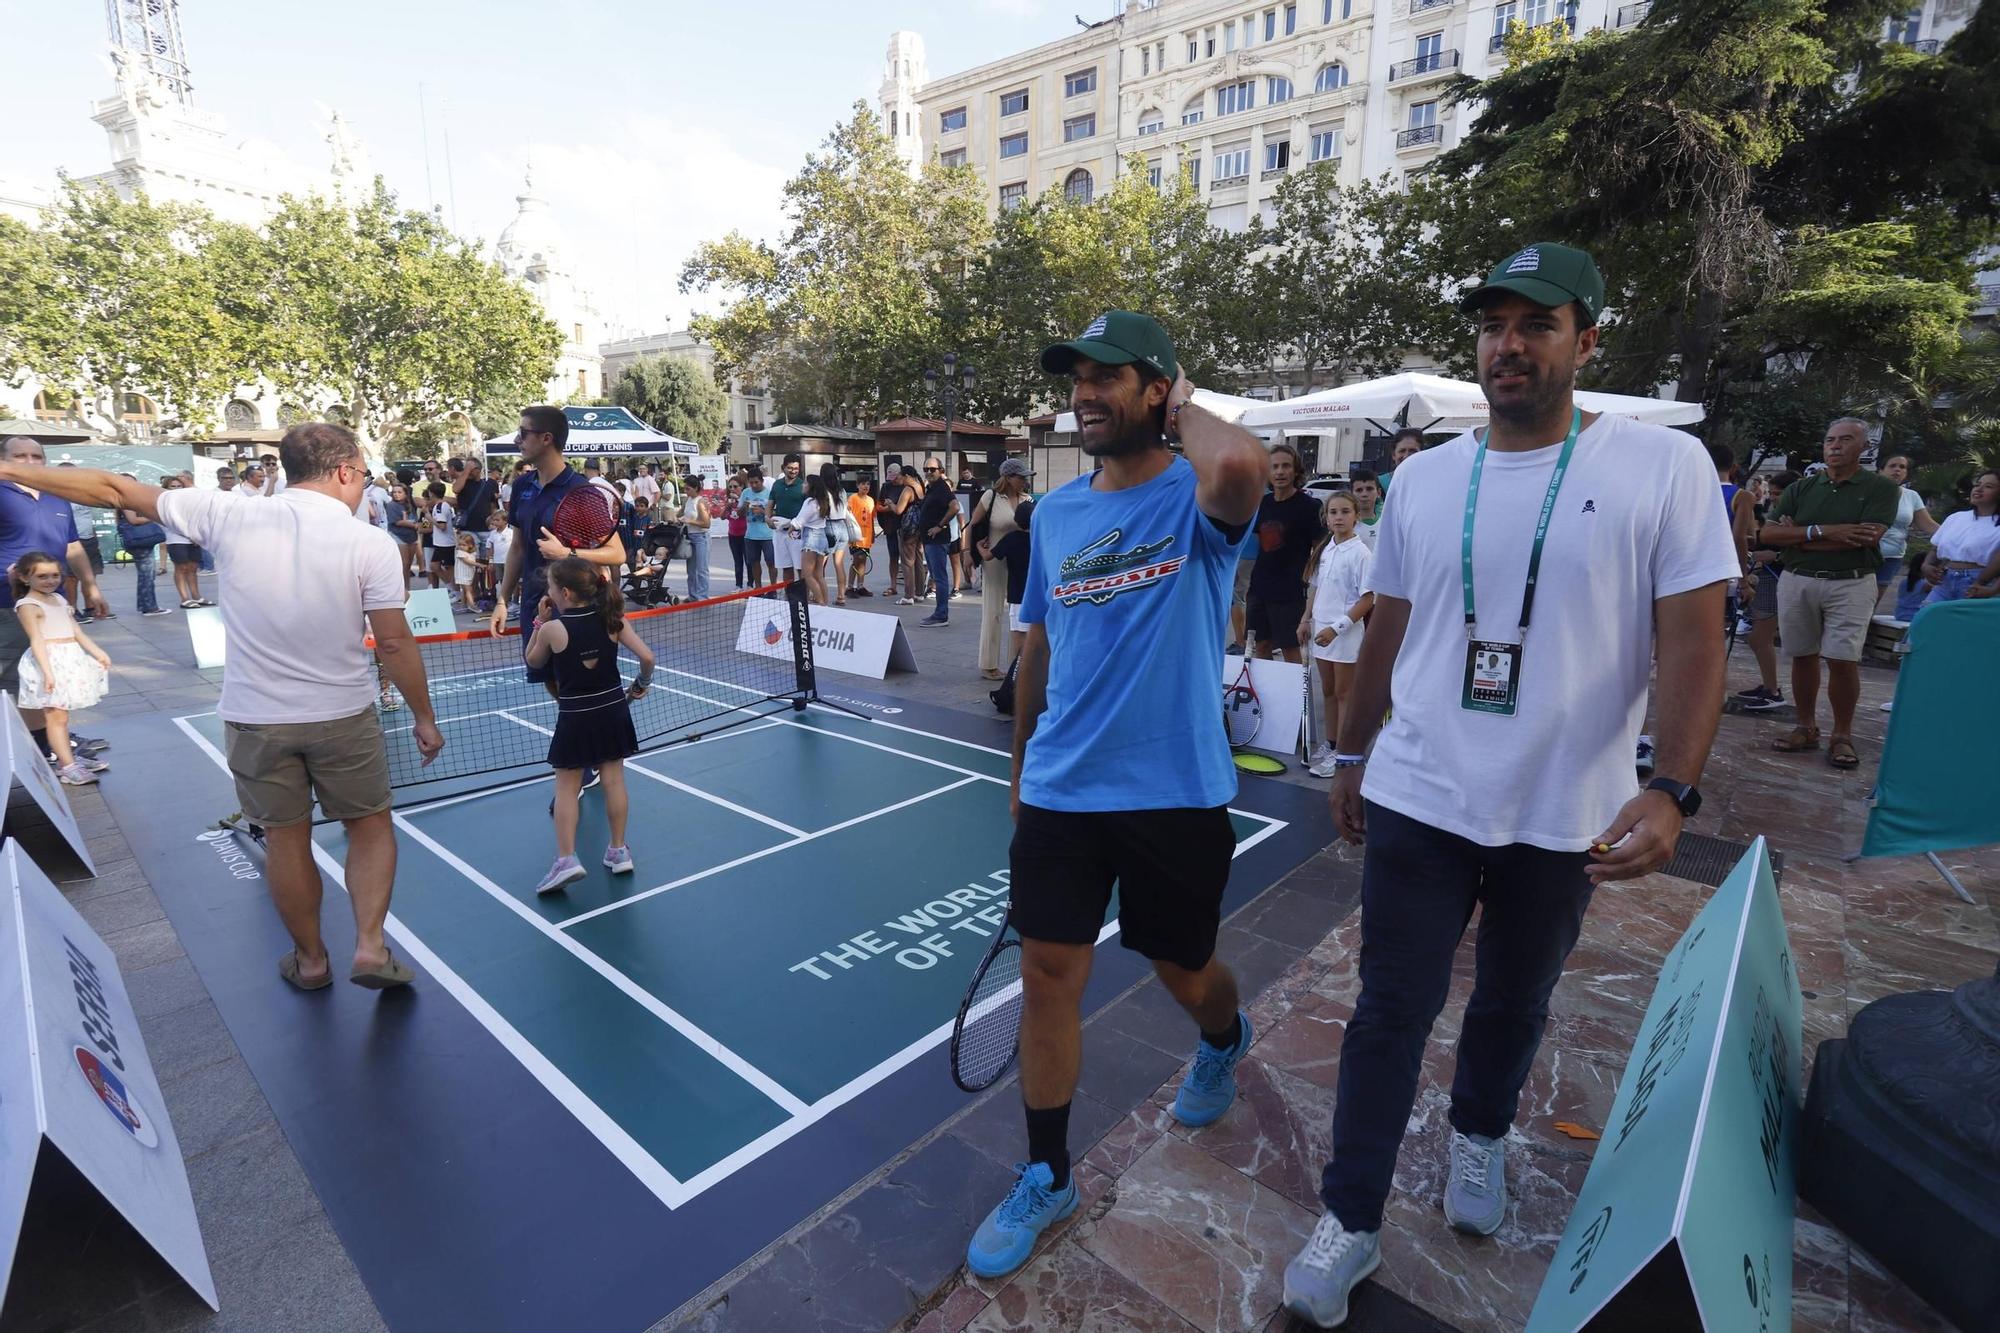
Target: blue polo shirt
x=31, y=523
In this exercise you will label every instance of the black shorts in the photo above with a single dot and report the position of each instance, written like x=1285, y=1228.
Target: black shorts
x=1275, y=620
x=93, y=550
x=1170, y=867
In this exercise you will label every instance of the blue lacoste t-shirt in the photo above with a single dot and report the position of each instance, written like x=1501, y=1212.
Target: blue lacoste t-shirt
x=1133, y=590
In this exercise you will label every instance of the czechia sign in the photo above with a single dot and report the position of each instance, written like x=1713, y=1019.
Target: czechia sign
x=82, y=1080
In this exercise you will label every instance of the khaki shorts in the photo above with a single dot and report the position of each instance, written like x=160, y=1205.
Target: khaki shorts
x=1239, y=594
x=1824, y=617
x=280, y=767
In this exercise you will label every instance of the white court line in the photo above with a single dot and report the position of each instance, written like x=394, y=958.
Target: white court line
x=645, y=1168
x=581, y=917
x=695, y=792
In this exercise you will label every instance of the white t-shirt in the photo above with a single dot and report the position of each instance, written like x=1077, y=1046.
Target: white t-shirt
x=442, y=537
x=1340, y=579
x=1897, y=539
x=499, y=544
x=375, y=506
x=1966, y=536
x=1636, y=520
x=298, y=573
x=645, y=488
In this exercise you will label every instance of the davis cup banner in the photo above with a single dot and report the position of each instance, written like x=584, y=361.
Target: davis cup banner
x=1685, y=1220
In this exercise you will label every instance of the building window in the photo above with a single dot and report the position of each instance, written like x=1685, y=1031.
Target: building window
x=1014, y=103
x=1080, y=127
x=1905, y=28
x=894, y=122
x=1145, y=61
x=1194, y=172
x=1270, y=25
x=1430, y=49
x=1079, y=83
x=1504, y=15
x=1231, y=218
x=1078, y=187
x=1326, y=144
x=1014, y=145
x=583, y=381
x=1191, y=113
x=1534, y=14
x=1291, y=19
x=1331, y=76
x=1278, y=156
x=1153, y=173
x=1234, y=97
x=952, y=157
x=1160, y=57
x=1277, y=89
x=1208, y=41
x=1423, y=114
x=1151, y=121
x=1328, y=8
x=1012, y=196
x=576, y=333
x=953, y=119
x=1232, y=163
x=1229, y=36
x=1194, y=49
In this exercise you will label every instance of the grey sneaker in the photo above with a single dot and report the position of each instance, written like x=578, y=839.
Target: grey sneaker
x=1319, y=1277
x=1475, y=1198
x=1323, y=767
x=76, y=775
x=1319, y=752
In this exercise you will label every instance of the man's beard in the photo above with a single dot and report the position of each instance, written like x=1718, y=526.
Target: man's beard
x=1132, y=438
x=1542, y=400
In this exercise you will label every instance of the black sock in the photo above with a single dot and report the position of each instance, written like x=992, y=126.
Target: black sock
x=1048, y=1140
x=1226, y=1039
x=41, y=735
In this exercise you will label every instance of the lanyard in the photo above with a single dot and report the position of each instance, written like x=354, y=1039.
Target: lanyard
x=1541, y=525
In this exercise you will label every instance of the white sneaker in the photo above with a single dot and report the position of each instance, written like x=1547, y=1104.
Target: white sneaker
x=1333, y=1262
x=566, y=870
x=1319, y=752
x=1323, y=767
x=76, y=775
x=618, y=860
x=1889, y=707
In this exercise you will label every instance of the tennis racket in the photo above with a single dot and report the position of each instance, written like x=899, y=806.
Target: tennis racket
x=1242, y=710
x=584, y=519
x=987, y=1032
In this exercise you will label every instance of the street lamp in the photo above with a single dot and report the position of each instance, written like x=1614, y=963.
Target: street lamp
x=946, y=384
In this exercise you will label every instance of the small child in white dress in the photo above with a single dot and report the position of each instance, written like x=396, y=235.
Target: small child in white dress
x=62, y=670
x=1333, y=622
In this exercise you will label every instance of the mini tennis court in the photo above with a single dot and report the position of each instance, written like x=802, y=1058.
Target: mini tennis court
x=705, y=1050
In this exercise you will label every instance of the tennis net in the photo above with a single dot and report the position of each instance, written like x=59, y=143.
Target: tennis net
x=720, y=663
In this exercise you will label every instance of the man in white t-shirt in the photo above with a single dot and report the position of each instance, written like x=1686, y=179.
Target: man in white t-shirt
x=1504, y=779
x=306, y=583
x=646, y=486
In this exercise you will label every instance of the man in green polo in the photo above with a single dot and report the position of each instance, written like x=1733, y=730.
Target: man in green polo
x=1830, y=527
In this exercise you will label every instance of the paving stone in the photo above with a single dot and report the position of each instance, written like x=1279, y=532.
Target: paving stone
x=118, y=911
x=113, y=877
x=187, y=1039
x=1069, y=1288
x=1292, y=918
x=1121, y=1071
x=145, y=945
x=916, y=1221
x=214, y=1105
x=1152, y=1015
x=998, y=1131
x=248, y=1188
x=164, y=987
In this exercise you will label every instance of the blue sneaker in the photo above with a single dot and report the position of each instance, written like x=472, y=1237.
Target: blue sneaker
x=1007, y=1237
x=1210, y=1086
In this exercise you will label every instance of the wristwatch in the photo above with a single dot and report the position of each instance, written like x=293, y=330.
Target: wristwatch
x=1684, y=795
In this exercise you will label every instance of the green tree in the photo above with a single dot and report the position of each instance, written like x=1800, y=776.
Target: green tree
x=675, y=394
x=405, y=322
x=842, y=314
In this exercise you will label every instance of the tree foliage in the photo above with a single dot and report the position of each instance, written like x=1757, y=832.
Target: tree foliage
x=676, y=394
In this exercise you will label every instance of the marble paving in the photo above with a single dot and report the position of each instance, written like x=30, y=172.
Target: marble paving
x=1188, y=1229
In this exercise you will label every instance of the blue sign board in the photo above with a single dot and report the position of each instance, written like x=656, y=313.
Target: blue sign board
x=1695, y=1169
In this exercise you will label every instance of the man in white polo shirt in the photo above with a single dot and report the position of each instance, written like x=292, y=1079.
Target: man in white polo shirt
x=306, y=582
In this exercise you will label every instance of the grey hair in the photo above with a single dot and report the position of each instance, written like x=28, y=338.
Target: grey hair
x=313, y=449
x=1850, y=421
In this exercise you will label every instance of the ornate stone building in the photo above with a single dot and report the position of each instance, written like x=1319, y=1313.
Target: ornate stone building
x=530, y=251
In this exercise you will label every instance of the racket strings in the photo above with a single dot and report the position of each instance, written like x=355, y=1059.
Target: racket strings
x=990, y=1034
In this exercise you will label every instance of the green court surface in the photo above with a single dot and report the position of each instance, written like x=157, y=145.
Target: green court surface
x=812, y=893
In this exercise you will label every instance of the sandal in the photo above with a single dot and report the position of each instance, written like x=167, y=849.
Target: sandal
x=1797, y=739
x=383, y=975
x=288, y=968
x=1840, y=752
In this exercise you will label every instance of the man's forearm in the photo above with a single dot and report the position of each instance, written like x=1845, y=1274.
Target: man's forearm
x=88, y=486
x=79, y=565
x=404, y=665
x=1688, y=694
x=1368, y=699
x=1230, y=464
x=1030, y=695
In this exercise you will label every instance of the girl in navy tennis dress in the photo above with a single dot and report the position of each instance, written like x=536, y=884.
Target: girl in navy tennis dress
x=579, y=632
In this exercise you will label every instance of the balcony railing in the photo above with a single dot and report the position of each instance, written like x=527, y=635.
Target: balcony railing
x=1272, y=173
x=1989, y=295
x=1434, y=63
x=1422, y=134
x=1219, y=182
x=1425, y=6
x=1499, y=39
x=1631, y=14
x=1927, y=47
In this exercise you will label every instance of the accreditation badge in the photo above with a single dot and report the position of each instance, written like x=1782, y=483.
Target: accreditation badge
x=1492, y=677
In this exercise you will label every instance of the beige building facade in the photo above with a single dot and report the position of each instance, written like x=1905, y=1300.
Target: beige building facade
x=749, y=405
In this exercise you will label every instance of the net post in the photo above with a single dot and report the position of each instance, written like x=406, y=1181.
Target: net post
x=802, y=641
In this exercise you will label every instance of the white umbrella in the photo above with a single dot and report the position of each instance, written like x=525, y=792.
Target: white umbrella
x=1227, y=406
x=1435, y=400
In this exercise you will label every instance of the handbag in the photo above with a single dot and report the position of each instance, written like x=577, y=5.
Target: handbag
x=133, y=536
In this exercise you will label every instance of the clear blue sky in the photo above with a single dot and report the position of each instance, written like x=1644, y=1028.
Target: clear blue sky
x=652, y=125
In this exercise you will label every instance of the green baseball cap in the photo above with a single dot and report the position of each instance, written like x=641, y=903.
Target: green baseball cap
x=1116, y=338
x=1547, y=274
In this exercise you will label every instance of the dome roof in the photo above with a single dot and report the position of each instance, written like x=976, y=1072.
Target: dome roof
x=532, y=239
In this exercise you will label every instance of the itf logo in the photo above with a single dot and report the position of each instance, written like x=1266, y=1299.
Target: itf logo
x=774, y=633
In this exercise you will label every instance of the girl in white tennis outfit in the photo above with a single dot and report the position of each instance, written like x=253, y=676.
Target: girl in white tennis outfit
x=1340, y=601
x=62, y=670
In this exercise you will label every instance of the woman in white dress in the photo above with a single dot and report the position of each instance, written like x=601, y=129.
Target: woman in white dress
x=1332, y=625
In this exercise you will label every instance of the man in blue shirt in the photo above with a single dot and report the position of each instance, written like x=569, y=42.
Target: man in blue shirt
x=36, y=521
x=1121, y=767
x=530, y=509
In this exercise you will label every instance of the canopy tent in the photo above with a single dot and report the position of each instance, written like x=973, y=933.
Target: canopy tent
x=1227, y=406
x=607, y=430
x=1434, y=400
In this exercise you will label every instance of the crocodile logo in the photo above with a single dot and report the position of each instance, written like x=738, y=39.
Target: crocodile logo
x=1100, y=572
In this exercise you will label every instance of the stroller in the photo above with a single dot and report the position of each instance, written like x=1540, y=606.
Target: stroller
x=646, y=585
